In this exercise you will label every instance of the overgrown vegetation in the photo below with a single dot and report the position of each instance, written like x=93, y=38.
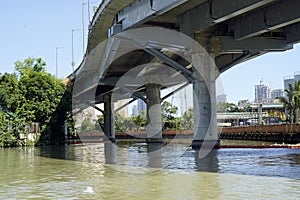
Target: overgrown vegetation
x=32, y=95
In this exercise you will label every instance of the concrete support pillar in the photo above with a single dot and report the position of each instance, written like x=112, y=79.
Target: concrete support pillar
x=154, y=124
x=66, y=131
x=205, y=115
x=259, y=107
x=109, y=122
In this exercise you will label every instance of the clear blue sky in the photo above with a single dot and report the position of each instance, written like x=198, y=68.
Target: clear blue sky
x=34, y=28
x=239, y=81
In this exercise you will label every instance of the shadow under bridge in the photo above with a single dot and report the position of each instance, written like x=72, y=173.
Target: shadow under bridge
x=140, y=64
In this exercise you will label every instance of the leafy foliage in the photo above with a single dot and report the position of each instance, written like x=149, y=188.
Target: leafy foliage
x=168, y=115
x=33, y=95
x=187, y=120
x=227, y=107
x=291, y=101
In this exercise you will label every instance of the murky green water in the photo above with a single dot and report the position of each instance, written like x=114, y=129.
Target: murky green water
x=105, y=171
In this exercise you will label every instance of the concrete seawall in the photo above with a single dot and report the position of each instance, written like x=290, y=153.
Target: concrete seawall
x=287, y=133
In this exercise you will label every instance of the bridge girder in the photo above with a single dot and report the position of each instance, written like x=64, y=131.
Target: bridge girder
x=215, y=21
x=266, y=19
x=210, y=13
x=214, y=24
x=293, y=33
x=141, y=11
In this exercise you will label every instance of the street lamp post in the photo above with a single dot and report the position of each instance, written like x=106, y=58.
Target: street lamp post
x=82, y=18
x=56, y=61
x=89, y=10
x=73, y=62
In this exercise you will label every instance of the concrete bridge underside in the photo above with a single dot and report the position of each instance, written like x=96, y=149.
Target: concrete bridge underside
x=231, y=31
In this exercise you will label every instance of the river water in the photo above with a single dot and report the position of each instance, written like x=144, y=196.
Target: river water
x=141, y=171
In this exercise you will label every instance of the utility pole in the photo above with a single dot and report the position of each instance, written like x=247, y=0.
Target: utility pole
x=89, y=10
x=73, y=62
x=83, y=29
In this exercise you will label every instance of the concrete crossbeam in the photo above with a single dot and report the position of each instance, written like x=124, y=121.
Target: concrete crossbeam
x=230, y=45
x=226, y=61
x=141, y=11
x=213, y=12
x=273, y=17
x=293, y=33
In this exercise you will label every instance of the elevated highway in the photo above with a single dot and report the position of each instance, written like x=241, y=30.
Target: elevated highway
x=230, y=31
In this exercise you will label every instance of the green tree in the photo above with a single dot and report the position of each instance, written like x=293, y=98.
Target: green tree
x=291, y=101
x=10, y=100
x=41, y=94
x=187, y=120
x=296, y=99
x=168, y=115
x=33, y=95
x=30, y=64
x=244, y=105
x=10, y=96
x=87, y=125
x=139, y=121
x=227, y=107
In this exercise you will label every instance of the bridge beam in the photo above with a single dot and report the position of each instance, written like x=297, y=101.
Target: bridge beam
x=272, y=17
x=141, y=11
x=226, y=61
x=293, y=33
x=109, y=122
x=228, y=52
x=230, y=45
x=213, y=12
x=154, y=123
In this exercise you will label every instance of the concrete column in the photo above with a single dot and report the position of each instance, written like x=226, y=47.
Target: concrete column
x=154, y=124
x=109, y=122
x=205, y=115
x=66, y=131
x=259, y=108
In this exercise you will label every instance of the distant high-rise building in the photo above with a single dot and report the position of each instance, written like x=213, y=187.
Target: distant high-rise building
x=141, y=106
x=123, y=112
x=222, y=98
x=262, y=93
x=134, y=110
x=297, y=76
x=291, y=79
x=276, y=93
x=287, y=80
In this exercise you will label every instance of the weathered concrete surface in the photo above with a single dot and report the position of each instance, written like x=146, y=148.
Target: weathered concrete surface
x=154, y=124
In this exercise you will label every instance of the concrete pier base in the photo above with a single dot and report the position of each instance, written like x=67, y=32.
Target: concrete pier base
x=154, y=124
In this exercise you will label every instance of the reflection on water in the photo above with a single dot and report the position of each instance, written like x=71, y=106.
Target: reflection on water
x=141, y=171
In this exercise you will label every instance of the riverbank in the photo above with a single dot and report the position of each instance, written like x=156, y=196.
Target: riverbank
x=268, y=133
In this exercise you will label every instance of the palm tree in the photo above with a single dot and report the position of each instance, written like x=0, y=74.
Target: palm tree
x=296, y=100
x=291, y=101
